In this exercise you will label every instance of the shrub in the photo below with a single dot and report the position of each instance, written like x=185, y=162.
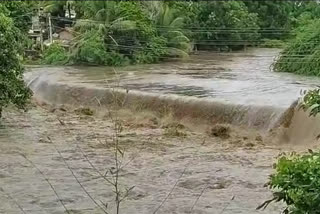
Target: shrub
x=116, y=59
x=153, y=52
x=91, y=49
x=55, y=54
x=311, y=101
x=302, y=54
x=296, y=182
x=297, y=178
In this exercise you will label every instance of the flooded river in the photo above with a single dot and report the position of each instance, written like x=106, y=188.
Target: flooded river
x=239, y=78
x=238, y=88
x=53, y=157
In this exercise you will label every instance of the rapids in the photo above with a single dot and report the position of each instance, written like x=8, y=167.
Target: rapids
x=238, y=88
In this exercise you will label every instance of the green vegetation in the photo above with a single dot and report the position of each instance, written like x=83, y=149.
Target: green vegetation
x=229, y=25
x=272, y=43
x=12, y=88
x=275, y=17
x=122, y=33
x=311, y=101
x=91, y=49
x=55, y=54
x=20, y=12
x=172, y=29
x=296, y=179
x=302, y=54
x=119, y=33
x=296, y=182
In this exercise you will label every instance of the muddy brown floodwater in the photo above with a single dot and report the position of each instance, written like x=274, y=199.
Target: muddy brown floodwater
x=52, y=157
x=205, y=174
x=244, y=78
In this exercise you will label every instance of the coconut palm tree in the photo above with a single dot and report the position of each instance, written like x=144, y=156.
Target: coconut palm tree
x=103, y=15
x=170, y=26
x=102, y=26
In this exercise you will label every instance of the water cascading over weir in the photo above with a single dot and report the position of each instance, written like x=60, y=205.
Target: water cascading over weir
x=255, y=101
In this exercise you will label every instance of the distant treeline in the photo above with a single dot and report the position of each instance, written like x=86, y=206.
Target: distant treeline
x=127, y=32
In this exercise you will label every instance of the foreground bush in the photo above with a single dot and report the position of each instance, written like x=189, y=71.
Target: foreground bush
x=311, y=101
x=12, y=87
x=296, y=182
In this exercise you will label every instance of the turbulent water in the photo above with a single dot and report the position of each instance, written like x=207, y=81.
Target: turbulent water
x=241, y=78
x=238, y=87
x=51, y=159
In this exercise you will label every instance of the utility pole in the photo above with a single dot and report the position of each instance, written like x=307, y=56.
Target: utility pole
x=50, y=28
x=40, y=24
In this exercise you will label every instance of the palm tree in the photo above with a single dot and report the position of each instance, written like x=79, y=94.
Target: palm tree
x=170, y=26
x=101, y=25
x=103, y=15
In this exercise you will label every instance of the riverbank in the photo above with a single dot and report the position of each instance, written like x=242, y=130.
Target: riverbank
x=206, y=174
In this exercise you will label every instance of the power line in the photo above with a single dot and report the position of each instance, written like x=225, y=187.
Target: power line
x=138, y=47
x=297, y=58
x=209, y=29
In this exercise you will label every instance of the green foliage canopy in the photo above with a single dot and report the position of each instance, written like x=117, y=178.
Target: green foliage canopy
x=12, y=87
x=149, y=31
x=302, y=54
x=229, y=24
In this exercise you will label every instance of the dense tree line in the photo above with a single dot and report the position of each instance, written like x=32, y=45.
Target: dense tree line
x=123, y=32
x=129, y=32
